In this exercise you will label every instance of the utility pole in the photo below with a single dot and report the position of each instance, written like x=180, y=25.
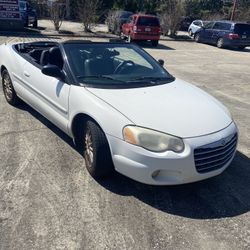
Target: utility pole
x=234, y=9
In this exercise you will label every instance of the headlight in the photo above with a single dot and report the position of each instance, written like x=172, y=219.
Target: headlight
x=152, y=140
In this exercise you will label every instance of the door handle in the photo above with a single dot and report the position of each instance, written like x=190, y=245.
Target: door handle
x=26, y=74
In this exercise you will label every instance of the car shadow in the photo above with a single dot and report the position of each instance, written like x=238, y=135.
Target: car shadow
x=226, y=195
x=149, y=46
x=247, y=49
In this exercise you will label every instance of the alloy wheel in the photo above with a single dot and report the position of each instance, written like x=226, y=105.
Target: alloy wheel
x=89, y=150
x=7, y=87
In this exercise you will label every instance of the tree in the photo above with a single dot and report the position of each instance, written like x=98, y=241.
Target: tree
x=203, y=8
x=87, y=12
x=57, y=13
x=172, y=12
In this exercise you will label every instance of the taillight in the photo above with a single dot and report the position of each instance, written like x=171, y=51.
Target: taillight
x=135, y=28
x=233, y=36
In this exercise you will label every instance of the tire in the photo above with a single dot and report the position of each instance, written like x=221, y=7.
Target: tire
x=155, y=43
x=190, y=33
x=220, y=43
x=8, y=89
x=197, y=38
x=96, y=151
x=35, y=24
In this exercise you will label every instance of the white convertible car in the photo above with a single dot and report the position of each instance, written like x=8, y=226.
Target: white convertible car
x=123, y=109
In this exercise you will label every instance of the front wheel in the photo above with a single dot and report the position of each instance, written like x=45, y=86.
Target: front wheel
x=190, y=33
x=8, y=89
x=96, y=153
x=197, y=38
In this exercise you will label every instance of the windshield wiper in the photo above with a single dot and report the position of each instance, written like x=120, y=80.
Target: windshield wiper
x=100, y=77
x=152, y=78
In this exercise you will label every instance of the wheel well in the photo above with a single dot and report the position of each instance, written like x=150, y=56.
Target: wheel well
x=79, y=122
x=2, y=69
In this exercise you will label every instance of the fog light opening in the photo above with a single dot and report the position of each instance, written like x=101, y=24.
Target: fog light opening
x=155, y=174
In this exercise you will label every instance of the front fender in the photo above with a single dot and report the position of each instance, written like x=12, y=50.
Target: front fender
x=81, y=101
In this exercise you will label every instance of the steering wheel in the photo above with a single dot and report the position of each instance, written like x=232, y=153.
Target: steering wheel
x=122, y=65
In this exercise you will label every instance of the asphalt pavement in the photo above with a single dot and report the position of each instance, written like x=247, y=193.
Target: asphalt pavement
x=49, y=201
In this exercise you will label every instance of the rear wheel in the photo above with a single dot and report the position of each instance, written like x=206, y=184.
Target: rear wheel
x=155, y=43
x=96, y=152
x=220, y=43
x=8, y=89
x=190, y=33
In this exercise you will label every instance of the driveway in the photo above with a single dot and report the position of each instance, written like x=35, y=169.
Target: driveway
x=49, y=201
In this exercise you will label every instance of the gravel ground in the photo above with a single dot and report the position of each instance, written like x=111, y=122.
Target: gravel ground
x=49, y=201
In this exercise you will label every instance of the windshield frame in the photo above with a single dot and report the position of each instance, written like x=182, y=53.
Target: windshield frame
x=133, y=84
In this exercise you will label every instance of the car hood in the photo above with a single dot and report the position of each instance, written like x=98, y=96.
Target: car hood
x=176, y=108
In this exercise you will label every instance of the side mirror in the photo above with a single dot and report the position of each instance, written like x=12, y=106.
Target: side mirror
x=54, y=71
x=161, y=62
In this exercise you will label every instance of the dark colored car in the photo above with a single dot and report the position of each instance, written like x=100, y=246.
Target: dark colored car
x=185, y=23
x=225, y=34
x=142, y=27
x=116, y=19
x=29, y=15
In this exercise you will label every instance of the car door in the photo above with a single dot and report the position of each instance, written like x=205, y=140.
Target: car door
x=208, y=32
x=220, y=30
x=47, y=95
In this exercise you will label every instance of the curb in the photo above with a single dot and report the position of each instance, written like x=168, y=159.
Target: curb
x=91, y=35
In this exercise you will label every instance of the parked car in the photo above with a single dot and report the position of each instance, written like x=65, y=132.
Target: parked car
x=140, y=27
x=195, y=26
x=122, y=109
x=116, y=19
x=28, y=15
x=185, y=23
x=225, y=34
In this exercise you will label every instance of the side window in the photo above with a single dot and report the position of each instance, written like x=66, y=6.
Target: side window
x=209, y=25
x=222, y=26
x=217, y=26
x=226, y=26
x=197, y=23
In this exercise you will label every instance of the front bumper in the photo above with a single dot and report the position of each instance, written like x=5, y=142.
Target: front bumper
x=172, y=168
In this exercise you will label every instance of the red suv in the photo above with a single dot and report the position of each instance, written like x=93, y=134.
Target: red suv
x=142, y=27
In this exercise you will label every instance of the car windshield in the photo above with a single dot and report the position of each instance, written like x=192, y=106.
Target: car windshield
x=148, y=21
x=242, y=28
x=120, y=65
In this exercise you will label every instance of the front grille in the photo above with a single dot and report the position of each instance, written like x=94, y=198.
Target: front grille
x=214, y=156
